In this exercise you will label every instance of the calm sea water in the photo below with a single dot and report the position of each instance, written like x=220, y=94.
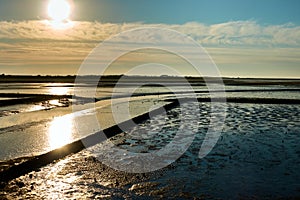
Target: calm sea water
x=31, y=129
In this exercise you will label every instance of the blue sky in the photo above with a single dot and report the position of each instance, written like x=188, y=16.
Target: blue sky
x=245, y=38
x=205, y=11
x=163, y=11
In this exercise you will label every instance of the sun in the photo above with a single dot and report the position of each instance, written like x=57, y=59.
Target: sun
x=59, y=10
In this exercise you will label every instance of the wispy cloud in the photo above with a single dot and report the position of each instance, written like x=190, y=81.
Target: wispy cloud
x=234, y=42
x=230, y=33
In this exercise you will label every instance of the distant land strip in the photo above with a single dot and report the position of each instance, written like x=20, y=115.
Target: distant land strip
x=111, y=80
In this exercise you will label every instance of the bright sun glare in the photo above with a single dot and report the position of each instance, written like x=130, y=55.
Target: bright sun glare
x=58, y=90
x=60, y=131
x=59, y=10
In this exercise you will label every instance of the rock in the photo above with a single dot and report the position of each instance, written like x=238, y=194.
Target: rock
x=20, y=184
x=117, y=183
x=2, y=185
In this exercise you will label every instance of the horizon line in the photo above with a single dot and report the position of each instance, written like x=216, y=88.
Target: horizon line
x=171, y=76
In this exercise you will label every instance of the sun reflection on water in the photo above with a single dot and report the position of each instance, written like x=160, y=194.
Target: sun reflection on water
x=60, y=131
x=59, y=90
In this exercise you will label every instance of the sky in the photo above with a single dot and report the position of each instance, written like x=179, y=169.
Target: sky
x=257, y=38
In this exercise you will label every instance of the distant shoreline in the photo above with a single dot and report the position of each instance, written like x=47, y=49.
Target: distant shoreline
x=111, y=80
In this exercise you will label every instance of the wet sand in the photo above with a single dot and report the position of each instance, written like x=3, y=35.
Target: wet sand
x=257, y=157
x=25, y=165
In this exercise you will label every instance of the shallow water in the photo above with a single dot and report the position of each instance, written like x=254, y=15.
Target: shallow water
x=256, y=157
x=33, y=133
x=257, y=154
x=25, y=128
